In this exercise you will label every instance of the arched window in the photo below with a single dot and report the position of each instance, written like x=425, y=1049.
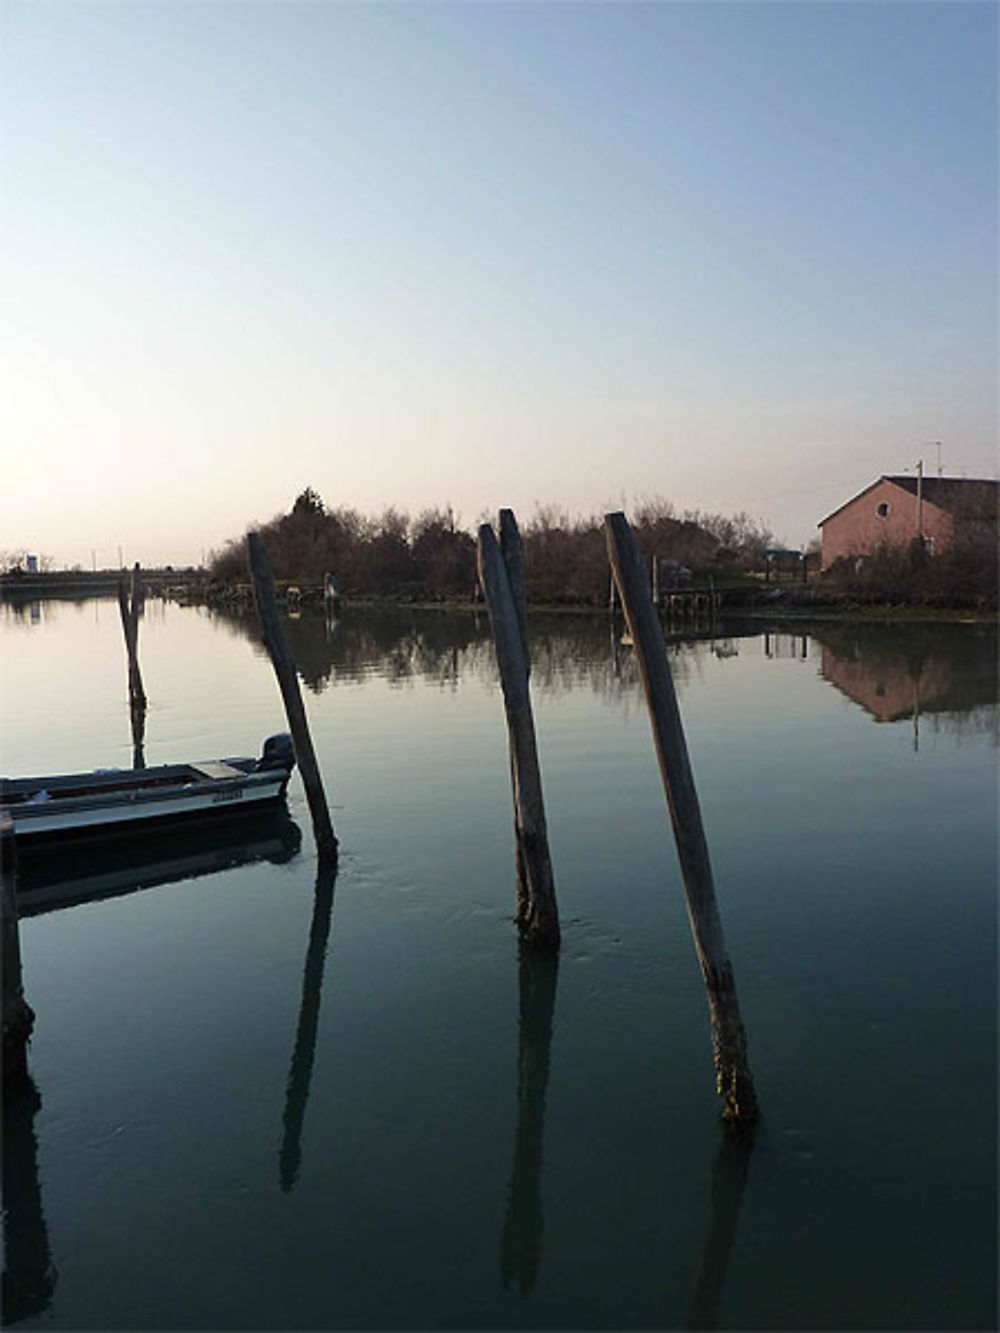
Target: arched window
x=882, y=509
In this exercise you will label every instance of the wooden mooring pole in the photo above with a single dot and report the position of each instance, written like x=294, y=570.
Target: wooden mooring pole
x=288, y=683
x=502, y=579
x=129, y=609
x=729, y=1047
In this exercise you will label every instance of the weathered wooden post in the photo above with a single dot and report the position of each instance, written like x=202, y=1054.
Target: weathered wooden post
x=729, y=1047
x=18, y=1016
x=136, y=694
x=501, y=572
x=288, y=683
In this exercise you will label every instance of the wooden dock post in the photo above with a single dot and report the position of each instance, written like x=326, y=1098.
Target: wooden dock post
x=729, y=1047
x=501, y=576
x=288, y=683
x=18, y=1016
x=136, y=694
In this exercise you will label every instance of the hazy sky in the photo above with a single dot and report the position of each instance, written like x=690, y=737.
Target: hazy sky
x=740, y=256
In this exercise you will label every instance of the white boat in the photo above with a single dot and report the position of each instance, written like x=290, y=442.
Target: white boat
x=108, y=801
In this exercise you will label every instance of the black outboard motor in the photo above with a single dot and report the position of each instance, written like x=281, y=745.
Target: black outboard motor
x=278, y=753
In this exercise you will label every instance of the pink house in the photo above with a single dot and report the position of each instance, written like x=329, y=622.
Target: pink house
x=894, y=510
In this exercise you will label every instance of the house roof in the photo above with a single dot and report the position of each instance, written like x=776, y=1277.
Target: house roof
x=968, y=498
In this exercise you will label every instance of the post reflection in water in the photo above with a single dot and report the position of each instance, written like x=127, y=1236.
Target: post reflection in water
x=523, y=1225
x=300, y=1070
x=729, y=1179
x=29, y=1276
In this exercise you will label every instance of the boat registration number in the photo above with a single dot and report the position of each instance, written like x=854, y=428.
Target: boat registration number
x=233, y=794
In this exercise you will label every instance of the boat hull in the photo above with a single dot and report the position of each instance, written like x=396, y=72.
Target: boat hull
x=101, y=804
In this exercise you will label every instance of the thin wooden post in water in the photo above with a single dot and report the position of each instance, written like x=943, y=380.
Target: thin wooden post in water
x=288, y=683
x=729, y=1047
x=136, y=694
x=501, y=576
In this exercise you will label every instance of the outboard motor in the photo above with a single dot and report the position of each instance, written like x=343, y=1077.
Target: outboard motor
x=278, y=753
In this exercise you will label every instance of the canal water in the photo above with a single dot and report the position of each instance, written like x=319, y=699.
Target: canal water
x=267, y=1099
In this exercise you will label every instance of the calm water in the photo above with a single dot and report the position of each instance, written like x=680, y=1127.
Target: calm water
x=270, y=1101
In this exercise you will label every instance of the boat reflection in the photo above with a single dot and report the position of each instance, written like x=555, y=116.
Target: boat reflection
x=50, y=879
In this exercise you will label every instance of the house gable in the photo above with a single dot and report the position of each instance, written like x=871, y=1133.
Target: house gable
x=891, y=513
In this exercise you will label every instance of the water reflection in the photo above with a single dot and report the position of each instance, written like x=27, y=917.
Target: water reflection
x=523, y=1225
x=891, y=670
x=303, y=1054
x=901, y=672
x=400, y=645
x=29, y=1277
x=729, y=1179
x=51, y=878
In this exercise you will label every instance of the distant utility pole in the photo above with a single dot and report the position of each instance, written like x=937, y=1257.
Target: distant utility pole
x=920, y=499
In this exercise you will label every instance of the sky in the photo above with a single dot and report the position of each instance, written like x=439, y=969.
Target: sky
x=735, y=256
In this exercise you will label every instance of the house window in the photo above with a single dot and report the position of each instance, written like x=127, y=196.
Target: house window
x=882, y=509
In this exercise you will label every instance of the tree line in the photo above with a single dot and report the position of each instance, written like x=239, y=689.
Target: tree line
x=433, y=557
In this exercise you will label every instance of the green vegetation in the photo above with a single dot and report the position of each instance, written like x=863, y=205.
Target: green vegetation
x=432, y=558
x=963, y=576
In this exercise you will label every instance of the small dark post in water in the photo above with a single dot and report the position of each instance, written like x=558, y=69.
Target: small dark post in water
x=288, y=683
x=729, y=1045
x=501, y=575
x=18, y=1017
x=136, y=694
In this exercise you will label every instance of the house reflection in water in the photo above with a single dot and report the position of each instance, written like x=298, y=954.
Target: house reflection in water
x=889, y=690
x=898, y=672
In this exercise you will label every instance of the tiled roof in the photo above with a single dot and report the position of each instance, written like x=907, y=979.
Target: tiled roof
x=975, y=499
x=968, y=498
